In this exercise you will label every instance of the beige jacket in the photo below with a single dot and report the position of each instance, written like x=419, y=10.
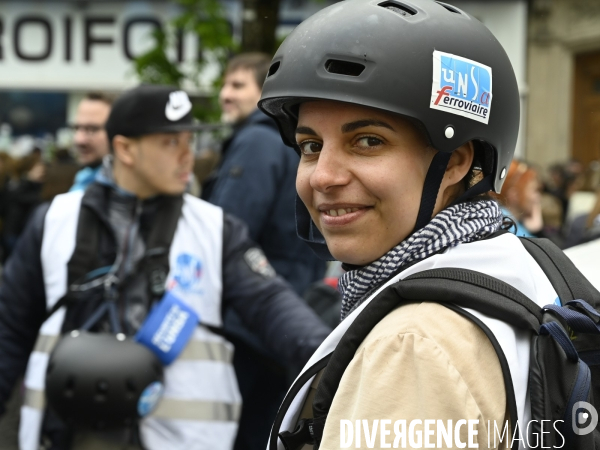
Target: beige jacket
x=422, y=361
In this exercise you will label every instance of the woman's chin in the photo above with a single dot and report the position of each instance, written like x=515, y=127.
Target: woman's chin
x=350, y=254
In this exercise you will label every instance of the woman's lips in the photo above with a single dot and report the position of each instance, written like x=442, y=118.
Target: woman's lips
x=338, y=216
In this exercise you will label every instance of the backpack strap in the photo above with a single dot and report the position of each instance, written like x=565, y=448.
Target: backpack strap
x=371, y=315
x=452, y=287
x=472, y=289
x=84, y=256
x=155, y=262
x=303, y=433
x=568, y=282
x=508, y=384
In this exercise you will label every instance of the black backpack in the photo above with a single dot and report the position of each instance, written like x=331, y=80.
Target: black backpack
x=565, y=351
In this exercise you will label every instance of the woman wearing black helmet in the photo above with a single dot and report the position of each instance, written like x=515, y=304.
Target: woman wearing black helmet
x=404, y=114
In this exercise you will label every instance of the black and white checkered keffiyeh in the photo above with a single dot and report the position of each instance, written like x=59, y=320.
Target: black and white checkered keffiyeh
x=461, y=223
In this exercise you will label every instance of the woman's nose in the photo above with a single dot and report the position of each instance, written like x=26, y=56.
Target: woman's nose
x=330, y=170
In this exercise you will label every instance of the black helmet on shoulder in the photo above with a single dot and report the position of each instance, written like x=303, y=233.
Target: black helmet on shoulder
x=102, y=381
x=427, y=61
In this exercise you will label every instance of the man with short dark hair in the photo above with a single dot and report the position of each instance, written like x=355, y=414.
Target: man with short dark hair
x=256, y=182
x=90, y=140
x=134, y=261
x=242, y=87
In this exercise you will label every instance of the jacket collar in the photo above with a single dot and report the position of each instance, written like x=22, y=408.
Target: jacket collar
x=257, y=117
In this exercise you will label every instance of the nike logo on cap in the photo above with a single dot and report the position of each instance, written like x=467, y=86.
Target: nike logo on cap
x=178, y=105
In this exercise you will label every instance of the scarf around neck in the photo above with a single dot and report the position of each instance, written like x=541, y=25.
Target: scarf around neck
x=461, y=223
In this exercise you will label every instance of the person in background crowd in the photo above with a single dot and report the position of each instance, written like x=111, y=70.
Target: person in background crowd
x=521, y=199
x=255, y=182
x=22, y=195
x=593, y=219
x=6, y=170
x=60, y=174
x=564, y=179
x=585, y=227
x=255, y=178
x=65, y=276
x=90, y=140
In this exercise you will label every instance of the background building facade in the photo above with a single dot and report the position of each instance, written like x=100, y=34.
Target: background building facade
x=564, y=81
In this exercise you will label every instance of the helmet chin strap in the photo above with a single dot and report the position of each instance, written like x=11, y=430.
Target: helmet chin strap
x=309, y=233
x=431, y=187
x=485, y=185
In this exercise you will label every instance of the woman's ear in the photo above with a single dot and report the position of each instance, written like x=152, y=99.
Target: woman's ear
x=457, y=169
x=124, y=150
x=459, y=164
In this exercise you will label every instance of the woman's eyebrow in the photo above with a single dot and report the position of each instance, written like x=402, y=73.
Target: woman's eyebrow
x=351, y=126
x=306, y=130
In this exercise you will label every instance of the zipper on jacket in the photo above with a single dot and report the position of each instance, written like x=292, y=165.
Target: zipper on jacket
x=126, y=266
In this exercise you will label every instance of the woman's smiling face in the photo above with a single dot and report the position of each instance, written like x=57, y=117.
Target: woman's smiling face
x=361, y=177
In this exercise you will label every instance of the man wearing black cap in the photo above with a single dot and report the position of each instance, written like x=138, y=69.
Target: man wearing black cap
x=106, y=261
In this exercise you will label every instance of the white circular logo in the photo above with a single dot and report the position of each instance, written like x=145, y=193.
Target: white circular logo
x=582, y=411
x=178, y=105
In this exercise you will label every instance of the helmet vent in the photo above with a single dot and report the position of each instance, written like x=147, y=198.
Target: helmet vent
x=337, y=66
x=274, y=68
x=450, y=8
x=398, y=8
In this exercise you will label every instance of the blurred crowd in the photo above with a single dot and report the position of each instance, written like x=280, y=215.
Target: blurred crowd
x=25, y=182
x=561, y=203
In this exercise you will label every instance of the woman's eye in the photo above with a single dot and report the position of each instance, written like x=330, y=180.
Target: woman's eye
x=309, y=147
x=368, y=141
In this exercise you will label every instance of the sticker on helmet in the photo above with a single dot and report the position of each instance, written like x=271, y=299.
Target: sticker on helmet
x=461, y=86
x=150, y=398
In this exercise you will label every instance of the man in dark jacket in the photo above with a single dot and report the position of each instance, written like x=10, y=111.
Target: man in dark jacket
x=256, y=179
x=67, y=270
x=256, y=183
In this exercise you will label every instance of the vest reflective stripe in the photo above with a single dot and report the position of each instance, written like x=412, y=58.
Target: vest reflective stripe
x=34, y=398
x=170, y=408
x=45, y=343
x=203, y=435
x=207, y=351
x=524, y=274
x=200, y=386
x=33, y=408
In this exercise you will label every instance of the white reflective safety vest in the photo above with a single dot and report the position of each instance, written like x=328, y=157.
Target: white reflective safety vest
x=502, y=257
x=201, y=403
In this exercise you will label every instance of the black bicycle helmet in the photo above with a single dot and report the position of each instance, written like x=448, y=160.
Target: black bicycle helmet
x=427, y=61
x=102, y=381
